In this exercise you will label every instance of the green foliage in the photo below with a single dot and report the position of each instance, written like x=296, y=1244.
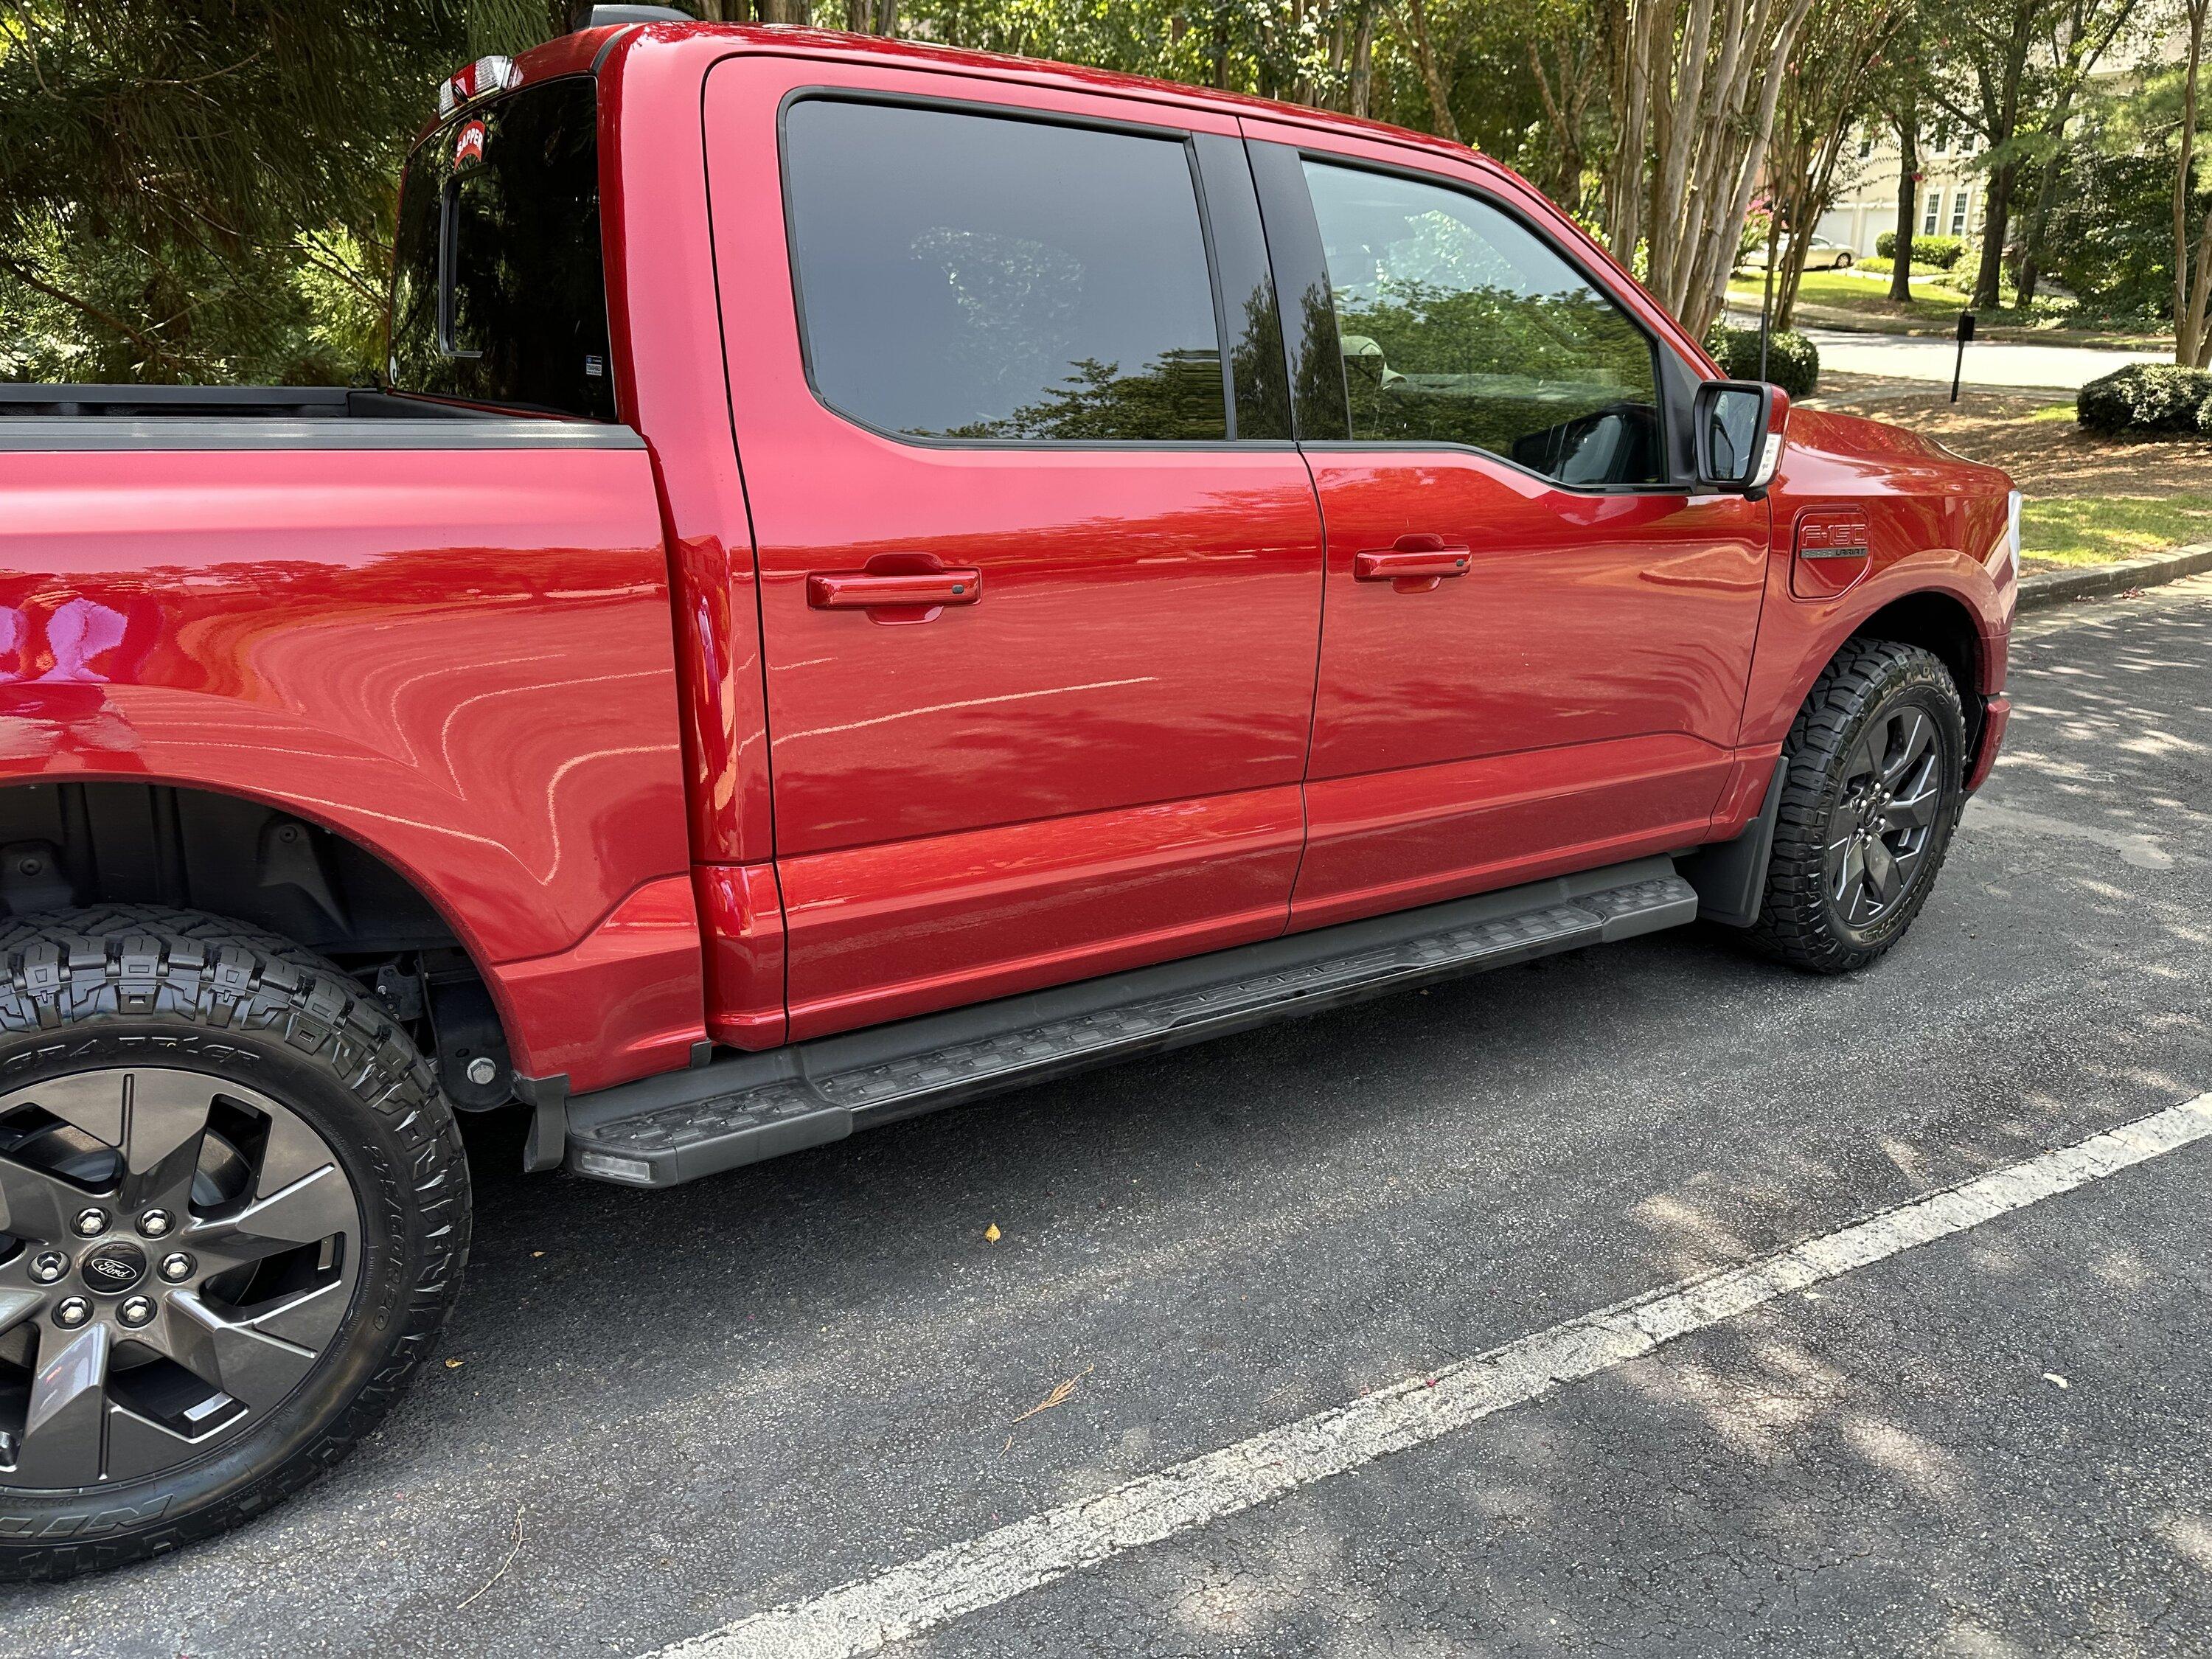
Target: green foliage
x=2112, y=237
x=1793, y=363
x=2146, y=398
x=193, y=192
x=1877, y=265
x=1928, y=253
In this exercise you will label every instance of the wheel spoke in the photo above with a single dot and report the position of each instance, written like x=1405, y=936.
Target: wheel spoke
x=1853, y=873
x=165, y=1117
x=1918, y=735
x=1881, y=873
x=62, y=1432
x=310, y=1319
x=1915, y=812
x=136, y=1446
x=18, y=1305
x=233, y=1356
x=307, y=1211
x=1865, y=759
x=36, y=1205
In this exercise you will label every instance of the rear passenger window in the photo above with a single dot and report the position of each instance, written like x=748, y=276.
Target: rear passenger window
x=1458, y=324
x=969, y=276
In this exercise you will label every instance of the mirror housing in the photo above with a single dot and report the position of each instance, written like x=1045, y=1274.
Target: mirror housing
x=1735, y=428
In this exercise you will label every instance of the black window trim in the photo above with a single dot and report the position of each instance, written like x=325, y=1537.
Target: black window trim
x=1674, y=379
x=1183, y=136
x=443, y=326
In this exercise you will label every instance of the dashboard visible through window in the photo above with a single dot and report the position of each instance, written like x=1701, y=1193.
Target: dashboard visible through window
x=1458, y=324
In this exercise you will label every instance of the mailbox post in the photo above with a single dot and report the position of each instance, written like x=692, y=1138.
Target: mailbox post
x=1958, y=366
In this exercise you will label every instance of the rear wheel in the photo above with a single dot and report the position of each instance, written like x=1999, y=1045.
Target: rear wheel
x=1869, y=802
x=233, y=1213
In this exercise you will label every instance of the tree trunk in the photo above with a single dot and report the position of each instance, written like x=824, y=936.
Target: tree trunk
x=2185, y=334
x=1997, y=216
x=1440, y=115
x=1908, y=202
x=2046, y=196
x=1360, y=92
x=1996, y=224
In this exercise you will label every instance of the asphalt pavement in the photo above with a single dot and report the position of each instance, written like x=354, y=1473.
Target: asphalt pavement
x=657, y=1415
x=1988, y=363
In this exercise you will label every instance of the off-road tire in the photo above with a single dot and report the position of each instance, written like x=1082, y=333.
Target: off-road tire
x=114, y=987
x=1869, y=680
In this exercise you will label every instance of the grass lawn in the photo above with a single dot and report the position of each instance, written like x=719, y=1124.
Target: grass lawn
x=2090, y=500
x=2099, y=529
x=1936, y=304
x=1844, y=290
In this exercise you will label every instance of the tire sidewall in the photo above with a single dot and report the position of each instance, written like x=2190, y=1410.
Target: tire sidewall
x=377, y=1163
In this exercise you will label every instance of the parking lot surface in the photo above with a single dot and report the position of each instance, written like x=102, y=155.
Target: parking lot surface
x=657, y=1415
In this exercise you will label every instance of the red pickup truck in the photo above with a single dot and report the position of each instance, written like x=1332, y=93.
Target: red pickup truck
x=875, y=574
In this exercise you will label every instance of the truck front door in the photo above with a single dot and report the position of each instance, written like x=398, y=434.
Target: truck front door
x=1536, y=640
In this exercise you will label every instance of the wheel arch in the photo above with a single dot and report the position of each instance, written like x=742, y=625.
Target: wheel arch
x=67, y=843
x=1941, y=622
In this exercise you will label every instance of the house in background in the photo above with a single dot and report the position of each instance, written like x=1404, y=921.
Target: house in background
x=1949, y=191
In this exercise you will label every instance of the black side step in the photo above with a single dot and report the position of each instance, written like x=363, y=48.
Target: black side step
x=679, y=1126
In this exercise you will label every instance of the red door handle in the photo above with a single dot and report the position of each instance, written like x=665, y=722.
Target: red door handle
x=1419, y=558
x=865, y=590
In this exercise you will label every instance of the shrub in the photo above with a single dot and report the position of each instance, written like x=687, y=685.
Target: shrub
x=1876, y=264
x=2146, y=397
x=1793, y=363
x=1934, y=253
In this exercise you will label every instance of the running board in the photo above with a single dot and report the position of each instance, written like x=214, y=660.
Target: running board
x=676, y=1127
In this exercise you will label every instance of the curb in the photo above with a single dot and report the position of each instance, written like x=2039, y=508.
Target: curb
x=2050, y=587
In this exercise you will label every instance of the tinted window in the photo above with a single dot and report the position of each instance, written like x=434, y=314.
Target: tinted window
x=969, y=276
x=499, y=291
x=1459, y=325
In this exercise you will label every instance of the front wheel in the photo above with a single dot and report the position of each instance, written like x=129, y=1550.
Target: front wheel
x=233, y=1212
x=1869, y=802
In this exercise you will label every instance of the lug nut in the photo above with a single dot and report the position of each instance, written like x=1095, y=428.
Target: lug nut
x=71, y=1311
x=90, y=1224
x=156, y=1224
x=48, y=1266
x=135, y=1310
x=177, y=1268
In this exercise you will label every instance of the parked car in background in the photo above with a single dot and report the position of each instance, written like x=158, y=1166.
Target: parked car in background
x=878, y=575
x=1820, y=254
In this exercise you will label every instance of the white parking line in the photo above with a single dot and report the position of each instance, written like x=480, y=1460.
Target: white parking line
x=869, y=1613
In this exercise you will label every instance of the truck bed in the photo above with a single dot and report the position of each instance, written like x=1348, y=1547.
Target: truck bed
x=58, y=417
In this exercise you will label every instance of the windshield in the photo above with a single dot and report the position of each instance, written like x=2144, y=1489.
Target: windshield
x=499, y=292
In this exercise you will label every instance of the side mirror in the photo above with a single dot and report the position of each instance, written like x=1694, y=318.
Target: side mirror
x=1736, y=429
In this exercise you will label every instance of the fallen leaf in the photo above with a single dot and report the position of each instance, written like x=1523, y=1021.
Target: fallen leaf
x=991, y=1233
x=2056, y=1380
x=455, y=1365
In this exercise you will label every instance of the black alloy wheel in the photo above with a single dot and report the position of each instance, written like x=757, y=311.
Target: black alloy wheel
x=233, y=1215
x=1872, y=787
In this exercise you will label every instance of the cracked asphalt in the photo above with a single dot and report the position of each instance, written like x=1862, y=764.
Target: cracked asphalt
x=657, y=1413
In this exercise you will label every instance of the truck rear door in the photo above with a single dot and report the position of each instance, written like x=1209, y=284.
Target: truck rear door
x=1039, y=565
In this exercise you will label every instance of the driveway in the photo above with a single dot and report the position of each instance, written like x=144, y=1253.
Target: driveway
x=1213, y=1388
x=1989, y=363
